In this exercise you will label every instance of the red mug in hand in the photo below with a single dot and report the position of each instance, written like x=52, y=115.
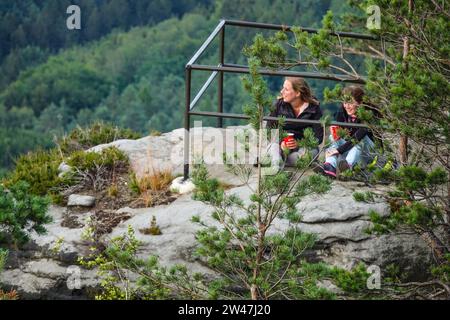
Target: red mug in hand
x=289, y=138
x=334, y=132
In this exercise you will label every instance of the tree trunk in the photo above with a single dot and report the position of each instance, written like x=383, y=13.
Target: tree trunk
x=254, y=292
x=254, y=288
x=403, y=146
x=403, y=149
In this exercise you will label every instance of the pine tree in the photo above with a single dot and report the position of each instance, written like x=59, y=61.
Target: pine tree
x=21, y=213
x=249, y=260
x=408, y=84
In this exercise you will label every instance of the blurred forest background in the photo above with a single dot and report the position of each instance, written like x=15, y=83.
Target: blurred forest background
x=126, y=64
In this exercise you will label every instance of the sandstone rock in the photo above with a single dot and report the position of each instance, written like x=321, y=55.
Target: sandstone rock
x=80, y=200
x=46, y=279
x=180, y=186
x=167, y=151
x=327, y=284
x=63, y=169
x=338, y=221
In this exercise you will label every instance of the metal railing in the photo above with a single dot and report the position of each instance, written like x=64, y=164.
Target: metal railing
x=223, y=67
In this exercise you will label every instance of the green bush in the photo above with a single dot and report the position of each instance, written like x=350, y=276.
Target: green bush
x=120, y=258
x=98, y=133
x=96, y=170
x=133, y=184
x=3, y=256
x=206, y=189
x=353, y=281
x=90, y=161
x=12, y=295
x=39, y=169
x=21, y=212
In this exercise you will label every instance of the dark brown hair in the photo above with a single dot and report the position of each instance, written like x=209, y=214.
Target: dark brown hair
x=355, y=92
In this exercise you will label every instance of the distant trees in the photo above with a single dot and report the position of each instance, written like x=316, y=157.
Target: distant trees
x=133, y=79
x=18, y=60
x=41, y=25
x=51, y=82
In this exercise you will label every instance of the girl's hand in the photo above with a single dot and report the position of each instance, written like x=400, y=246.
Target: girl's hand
x=291, y=144
x=331, y=152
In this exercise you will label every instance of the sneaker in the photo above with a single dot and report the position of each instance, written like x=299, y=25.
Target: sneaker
x=343, y=165
x=317, y=167
x=329, y=170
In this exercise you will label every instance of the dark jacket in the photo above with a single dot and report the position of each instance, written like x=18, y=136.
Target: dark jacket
x=312, y=112
x=355, y=133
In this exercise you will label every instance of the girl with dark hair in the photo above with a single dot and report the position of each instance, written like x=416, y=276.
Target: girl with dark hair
x=343, y=154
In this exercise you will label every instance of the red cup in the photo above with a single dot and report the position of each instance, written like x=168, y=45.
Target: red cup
x=290, y=137
x=334, y=132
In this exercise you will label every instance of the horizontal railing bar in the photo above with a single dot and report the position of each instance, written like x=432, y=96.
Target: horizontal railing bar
x=268, y=72
x=203, y=89
x=219, y=114
x=206, y=43
x=269, y=118
x=271, y=26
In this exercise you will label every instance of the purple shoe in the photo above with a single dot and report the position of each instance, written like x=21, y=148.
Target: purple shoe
x=329, y=170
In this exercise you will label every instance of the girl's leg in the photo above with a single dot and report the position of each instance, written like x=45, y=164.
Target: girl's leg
x=360, y=152
x=333, y=159
x=369, y=151
x=354, y=155
x=293, y=156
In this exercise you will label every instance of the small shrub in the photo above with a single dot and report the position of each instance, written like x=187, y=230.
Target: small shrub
x=206, y=189
x=22, y=212
x=98, y=133
x=157, y=181
x=96, y=170
x=89, y=161
x=113, y=191
x=154, y=228
x=147, y=199
x=152, y=189
x=133, y=184
x=354, y=281
x=58, y=199
x=40, y=170
x=12, y=295
x=119, y=258
x=58, y=244
x=3, y=256
x=155, y=133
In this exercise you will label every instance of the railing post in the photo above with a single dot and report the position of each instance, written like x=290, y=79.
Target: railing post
x=220, y=80
x=187, y=123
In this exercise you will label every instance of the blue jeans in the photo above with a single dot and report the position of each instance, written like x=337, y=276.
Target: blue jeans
x=360, y=153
